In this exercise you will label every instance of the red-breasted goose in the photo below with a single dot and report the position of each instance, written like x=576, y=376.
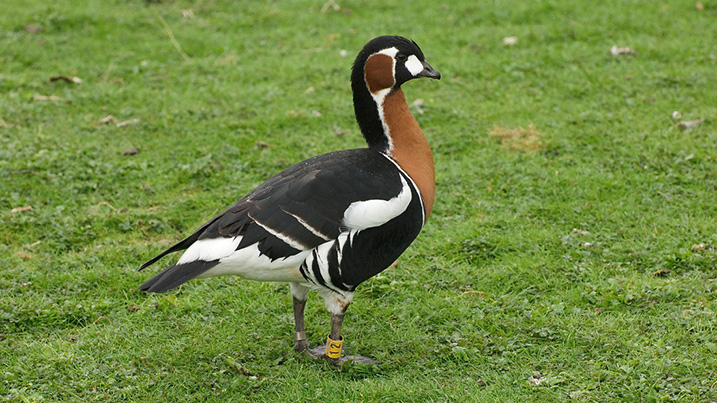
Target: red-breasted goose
x=335, y=220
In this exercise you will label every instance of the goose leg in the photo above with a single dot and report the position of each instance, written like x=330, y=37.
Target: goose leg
x=299, y=329
x=331, y=351
x=299, y=294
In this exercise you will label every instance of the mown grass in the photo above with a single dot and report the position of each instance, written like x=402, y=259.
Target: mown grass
x=570, y=255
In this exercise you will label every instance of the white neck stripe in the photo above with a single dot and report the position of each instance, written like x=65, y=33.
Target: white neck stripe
x=380, y=96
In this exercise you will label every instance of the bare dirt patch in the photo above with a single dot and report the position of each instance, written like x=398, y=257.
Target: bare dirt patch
x=519, y=139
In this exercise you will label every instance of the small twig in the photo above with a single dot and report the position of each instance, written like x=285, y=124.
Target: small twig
x=470, y=292
x=169, y=32
x=104, y=203
x=330, y=5
x=127, y=123
x=105, y=74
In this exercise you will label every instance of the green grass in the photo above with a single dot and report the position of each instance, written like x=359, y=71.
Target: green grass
x=554, y=267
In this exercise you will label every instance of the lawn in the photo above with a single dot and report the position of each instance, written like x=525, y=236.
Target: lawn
x=571, y=253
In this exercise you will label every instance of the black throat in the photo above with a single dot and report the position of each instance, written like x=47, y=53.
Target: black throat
x=366, y=109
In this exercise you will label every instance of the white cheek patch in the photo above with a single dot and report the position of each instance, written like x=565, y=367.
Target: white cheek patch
x=414, y=65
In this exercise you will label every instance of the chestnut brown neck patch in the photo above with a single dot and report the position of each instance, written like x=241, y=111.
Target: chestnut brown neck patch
x=378, y=72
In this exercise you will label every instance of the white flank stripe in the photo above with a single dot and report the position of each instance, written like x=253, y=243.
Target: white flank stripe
x=308, y=227
x=413, y=184
x=210, y=249
x=373, y=213
x=322, y=252
x=343, y=237
x=289, y=241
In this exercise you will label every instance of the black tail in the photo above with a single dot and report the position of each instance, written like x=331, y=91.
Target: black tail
x=176, y=275
x=181, y=245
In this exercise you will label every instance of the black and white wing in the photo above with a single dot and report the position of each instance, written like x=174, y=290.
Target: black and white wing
x=275, y=232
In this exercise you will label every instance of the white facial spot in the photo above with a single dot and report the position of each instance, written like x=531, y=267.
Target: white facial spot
x=414, y=65
x=392, y=51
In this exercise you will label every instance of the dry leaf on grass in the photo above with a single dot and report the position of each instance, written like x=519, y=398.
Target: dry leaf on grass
x=510, y=40
x=20, y=209
x=107, y=119
x=688, y=124
x=536, y=379
x=33, y=29
x=518, y=139
x=619, y=51
x=700, y=247
x=676, y=115
x=262, y=144
x=46, y=98
x=128, y=122
x=5, y=124
x=130, y=151
x=662, y=272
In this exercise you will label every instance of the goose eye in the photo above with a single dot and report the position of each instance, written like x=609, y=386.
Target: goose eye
x=401, y=57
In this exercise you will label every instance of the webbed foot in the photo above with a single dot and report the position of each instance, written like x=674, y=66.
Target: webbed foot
x=319, y=353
